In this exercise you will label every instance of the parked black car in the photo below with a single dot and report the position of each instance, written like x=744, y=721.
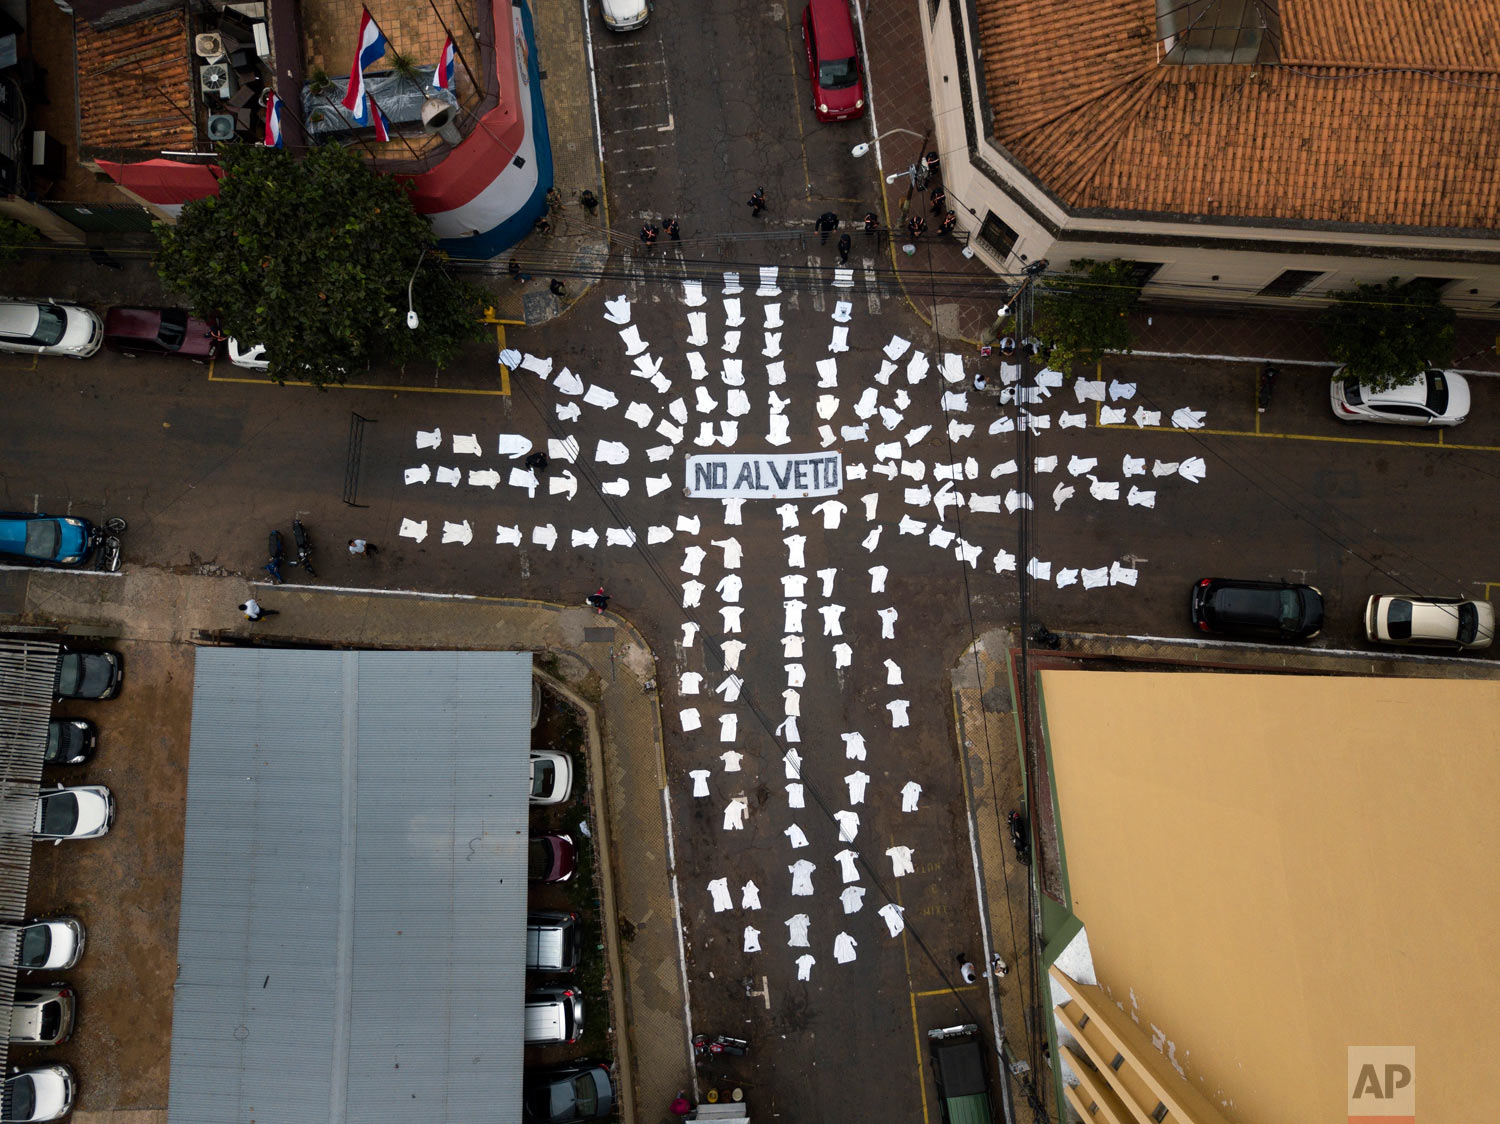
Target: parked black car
x=70, y=741
x=89, y=675
x=561, y=1094
x=1269, y=610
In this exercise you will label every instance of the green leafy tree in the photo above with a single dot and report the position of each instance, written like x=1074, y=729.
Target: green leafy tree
x=1388, y=334
x=311, y=258
x=1085, y=312
x=13, y=236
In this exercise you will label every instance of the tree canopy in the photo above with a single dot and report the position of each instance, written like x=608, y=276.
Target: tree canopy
x=13, y=236
x=1388, y=334
x=311, y=258
x=1085, y=312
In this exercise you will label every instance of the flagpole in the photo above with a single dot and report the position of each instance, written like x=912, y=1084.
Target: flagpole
x=414, y=154
x=462, y=58
x=474, y=34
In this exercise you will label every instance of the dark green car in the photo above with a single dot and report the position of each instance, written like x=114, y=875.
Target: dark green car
x=957, y=1054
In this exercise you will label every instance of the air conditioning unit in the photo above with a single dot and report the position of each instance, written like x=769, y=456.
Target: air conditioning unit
x=220, y=127
x=209, y=46
x=216, y=79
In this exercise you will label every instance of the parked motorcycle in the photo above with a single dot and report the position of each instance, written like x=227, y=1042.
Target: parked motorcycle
x=278, y=556
x=1020, y=836
x=705, y=1047
x=304, y=547
x=106, y=540
x=1263, y=386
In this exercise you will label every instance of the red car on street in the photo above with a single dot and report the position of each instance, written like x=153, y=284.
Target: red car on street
x=160, y=331
x=833, y=61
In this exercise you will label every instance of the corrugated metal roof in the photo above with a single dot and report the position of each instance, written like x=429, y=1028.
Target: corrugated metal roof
x=352, y=938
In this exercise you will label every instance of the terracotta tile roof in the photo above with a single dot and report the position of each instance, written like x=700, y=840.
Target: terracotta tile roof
x=136, y=86
x=1339, y=131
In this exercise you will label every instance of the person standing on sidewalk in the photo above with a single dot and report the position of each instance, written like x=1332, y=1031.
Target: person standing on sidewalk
x=757, y=202
x=648, y=236
x=590, y=201
x=872, y=222
x=827, y=223
x=938, y=200
x=253, y=612
x=672, y=229
x=950, y=220
x=360, y=546
x=844, y=244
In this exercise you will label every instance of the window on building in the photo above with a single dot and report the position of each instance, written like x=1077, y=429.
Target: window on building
x=1290, y=282
x=1142, y=271
x=1159, y=1113
x=1195, y=32
x=1118, y=1062
x=996, y=235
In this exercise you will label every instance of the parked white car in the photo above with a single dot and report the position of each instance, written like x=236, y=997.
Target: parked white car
x=37, y=1093
x=1433, y=398
x=624, y=15
x=253, y=357
x=51, y=944
x=49, y=328
x=85, y=811
x=1443, y=622
x=551, y=776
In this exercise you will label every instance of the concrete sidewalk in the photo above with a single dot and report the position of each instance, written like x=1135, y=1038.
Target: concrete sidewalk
x=601, y=660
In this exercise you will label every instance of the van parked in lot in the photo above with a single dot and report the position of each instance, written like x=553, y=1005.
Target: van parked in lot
x=553, y=1015
x=551, y=941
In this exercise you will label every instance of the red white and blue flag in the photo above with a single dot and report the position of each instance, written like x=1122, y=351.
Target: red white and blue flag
x=273, y=121
x=382, y=126
x=371, y=49
x=443, y=79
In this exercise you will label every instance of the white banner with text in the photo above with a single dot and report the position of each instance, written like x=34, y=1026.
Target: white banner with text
x=766, y=476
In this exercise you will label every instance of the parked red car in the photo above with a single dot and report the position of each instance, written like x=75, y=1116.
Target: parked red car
x=160, y=331
x=833, y=61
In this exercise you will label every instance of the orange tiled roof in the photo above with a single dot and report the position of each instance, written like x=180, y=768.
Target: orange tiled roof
x=136, y=87
x=1370, y=117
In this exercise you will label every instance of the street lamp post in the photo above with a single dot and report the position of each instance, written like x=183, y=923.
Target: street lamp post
x=411, y=313
x=864, y=146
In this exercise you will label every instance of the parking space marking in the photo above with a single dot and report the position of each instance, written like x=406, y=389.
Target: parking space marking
x=9, y=366
x=1488, y=587
x=916, y=1030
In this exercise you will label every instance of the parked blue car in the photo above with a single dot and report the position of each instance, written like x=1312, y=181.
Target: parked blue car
x=48, y=540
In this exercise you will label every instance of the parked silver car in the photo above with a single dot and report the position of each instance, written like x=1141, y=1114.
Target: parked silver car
x=1442, y=622
x=84, y=811
x=37, y=1093
x=49, y=328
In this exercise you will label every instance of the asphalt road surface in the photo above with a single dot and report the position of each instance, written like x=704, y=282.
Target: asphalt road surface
x=202, y=469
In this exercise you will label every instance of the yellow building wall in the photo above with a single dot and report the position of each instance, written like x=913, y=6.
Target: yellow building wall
x=1274, y=868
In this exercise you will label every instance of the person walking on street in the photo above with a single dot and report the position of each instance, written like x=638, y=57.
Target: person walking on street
x=872, y=222
x=844, y=244
x=648, y=236
x=360, y=546
x=537, y=462
x=514, y=269
x=966, y=969
x=950, y=220
x=670, y=226
x=980, y=382
x=253, y=612
x=757, y=202
x=590, y=201
x=598, y=599
x=827, y=223
x=558, y=289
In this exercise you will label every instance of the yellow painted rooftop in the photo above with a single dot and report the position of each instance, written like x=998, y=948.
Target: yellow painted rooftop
x=1274, y=868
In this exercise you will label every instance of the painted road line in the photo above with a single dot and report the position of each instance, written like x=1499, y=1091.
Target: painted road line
x=500, y=347
x=1331, y=440
x=916, y=1030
